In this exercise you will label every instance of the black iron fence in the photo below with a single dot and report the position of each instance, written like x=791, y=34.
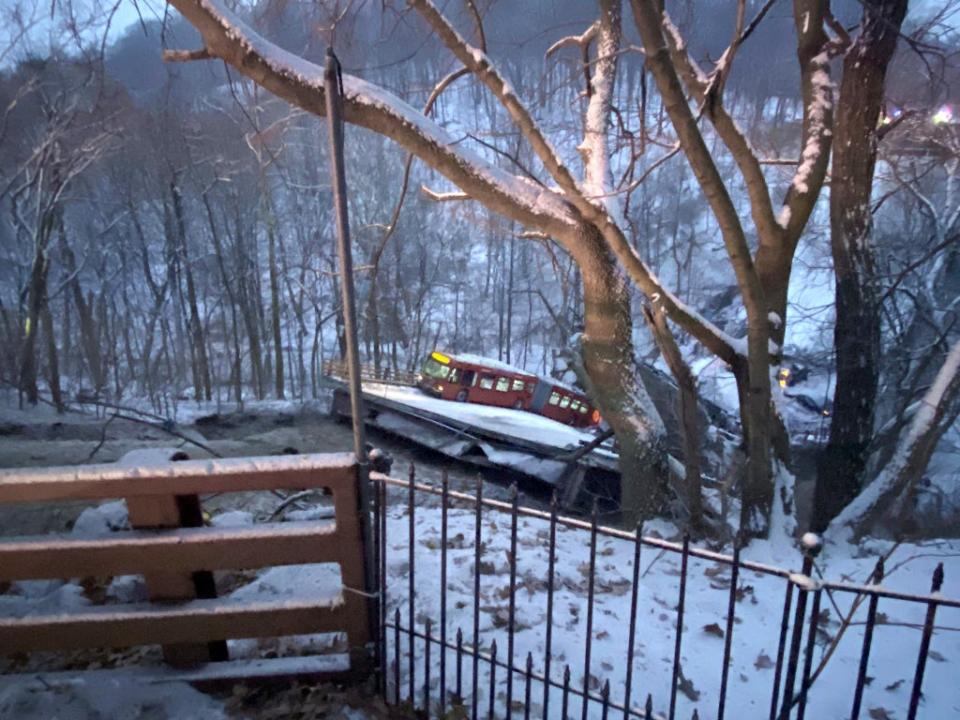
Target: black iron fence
x=494, y=610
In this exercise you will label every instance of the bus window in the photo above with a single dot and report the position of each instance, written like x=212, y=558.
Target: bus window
x=530, y=387
x=469, y=378
x=554, y=398
x=583, y=410
x=517, y=385
x=502, y=384
x=431, y=368
x=574, y=404
x=454, y=374
x=564, y=402
x=486, y=382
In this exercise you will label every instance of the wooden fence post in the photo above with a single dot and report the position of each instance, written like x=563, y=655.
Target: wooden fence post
x=173, y=511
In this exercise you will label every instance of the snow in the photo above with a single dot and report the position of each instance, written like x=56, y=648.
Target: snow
x=818, y=115
x=755, y=635
x=128, y=589
x=232, y=518
x=319, y=582
x=40, y=597
x=104, y=695
x=102, y=519
x=488, y=362
x=811, y=542
x=311, y=514
x=783, y=218
x=547, y=470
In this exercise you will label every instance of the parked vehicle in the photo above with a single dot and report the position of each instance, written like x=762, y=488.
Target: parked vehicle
x=475, y=379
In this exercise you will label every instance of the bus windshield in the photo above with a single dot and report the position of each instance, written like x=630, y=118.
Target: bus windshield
x=434, y=369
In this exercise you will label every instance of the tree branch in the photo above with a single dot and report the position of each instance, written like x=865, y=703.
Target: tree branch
x=186, y=55
x=300, y=82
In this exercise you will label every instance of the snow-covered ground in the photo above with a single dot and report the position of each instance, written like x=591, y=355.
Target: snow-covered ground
x=756, y=629
x=115, y=696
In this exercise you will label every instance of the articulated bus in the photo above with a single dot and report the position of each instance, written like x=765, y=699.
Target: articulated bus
x=475, y=379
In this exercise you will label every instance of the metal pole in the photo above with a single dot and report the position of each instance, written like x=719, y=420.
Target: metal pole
x=333, y=86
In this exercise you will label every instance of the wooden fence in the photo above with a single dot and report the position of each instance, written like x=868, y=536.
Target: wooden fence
x=177, y=555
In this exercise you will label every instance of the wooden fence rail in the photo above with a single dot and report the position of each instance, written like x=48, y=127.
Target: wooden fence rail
x=177, y=555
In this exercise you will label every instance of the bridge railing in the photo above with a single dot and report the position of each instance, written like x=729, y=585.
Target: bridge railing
x=387, y=375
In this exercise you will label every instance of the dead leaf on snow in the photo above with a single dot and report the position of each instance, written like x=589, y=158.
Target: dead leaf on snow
x=715, y=570
x=713, y=629
x=763, y=662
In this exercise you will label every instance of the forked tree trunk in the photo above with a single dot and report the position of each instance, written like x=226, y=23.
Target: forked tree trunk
x=857, y=330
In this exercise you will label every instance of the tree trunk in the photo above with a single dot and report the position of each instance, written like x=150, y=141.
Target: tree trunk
x=203, y=384
x=687, y=413
x=53, y=365
x=607, y=349
x=274, y=295
x=88, y=334
x=857, y=330
x=36, y=294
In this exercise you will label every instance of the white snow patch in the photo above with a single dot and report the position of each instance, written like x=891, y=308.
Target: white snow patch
x=104, y=696
x=290, y=582
x=232, y=518
x=102, y=519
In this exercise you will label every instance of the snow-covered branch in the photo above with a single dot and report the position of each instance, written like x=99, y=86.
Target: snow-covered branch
x=443, y=196
x=596, y=213
x=817, y=131
x=928, y=424
x=649, y=22
x=300, y=82
x=585, y=38
x=596, y=154
x=699, y=85
x=483, y=67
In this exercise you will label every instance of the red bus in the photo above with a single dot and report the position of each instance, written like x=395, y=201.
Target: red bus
x=471, y=378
